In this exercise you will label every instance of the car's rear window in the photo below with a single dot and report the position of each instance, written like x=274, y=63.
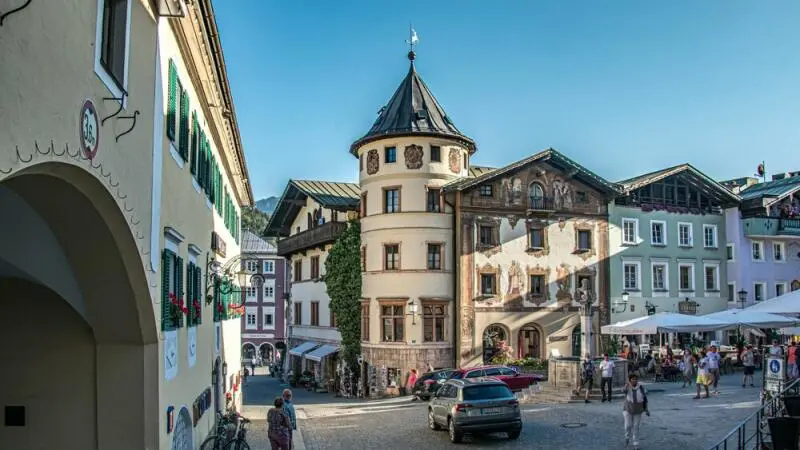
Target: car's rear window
x=487, y=392
x=457, y=375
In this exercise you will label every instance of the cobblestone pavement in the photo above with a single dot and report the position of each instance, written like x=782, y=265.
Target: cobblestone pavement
x=677, y=422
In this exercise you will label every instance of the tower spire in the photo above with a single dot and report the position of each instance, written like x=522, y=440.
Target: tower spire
x=412, y=41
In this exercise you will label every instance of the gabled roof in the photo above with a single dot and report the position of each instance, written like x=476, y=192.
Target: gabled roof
x=413, y=110
x=329, y=194
x=476, y=171
x=252, y=243
x=549, y=156
x=691, y=175
x=776, y=189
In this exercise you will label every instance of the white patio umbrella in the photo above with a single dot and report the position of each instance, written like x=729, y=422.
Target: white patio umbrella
x=664, y=322
x=749, y=318
x=788, y=303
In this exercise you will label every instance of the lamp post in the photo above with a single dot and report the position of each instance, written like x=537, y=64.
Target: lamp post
x=625, y=296
x=414, y=309
x=742, y=298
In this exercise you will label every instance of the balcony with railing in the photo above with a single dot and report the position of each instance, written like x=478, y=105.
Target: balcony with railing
x=770, y=226
x=542, y=204
x=317, y=236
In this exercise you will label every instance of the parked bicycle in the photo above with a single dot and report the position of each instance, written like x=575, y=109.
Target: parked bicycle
x=239, y=442
x=222, y=434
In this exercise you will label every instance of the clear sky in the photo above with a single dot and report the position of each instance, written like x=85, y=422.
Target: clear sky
x=623, y=87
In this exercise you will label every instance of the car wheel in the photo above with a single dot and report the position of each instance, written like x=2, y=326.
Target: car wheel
x=432, y=421
x=514, y=434
x=455, y=435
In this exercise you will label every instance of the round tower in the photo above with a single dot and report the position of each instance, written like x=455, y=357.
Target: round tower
x=407, y=239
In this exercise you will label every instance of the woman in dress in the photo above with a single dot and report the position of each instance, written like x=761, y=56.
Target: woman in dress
x=703, y=376
x=279, y=426
x=688, y=367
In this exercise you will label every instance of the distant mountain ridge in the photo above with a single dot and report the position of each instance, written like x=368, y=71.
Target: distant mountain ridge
x=267, y=205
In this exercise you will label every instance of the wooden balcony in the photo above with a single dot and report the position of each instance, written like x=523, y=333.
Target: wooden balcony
x=541, y=205
x=770, y=226
x=318, y=236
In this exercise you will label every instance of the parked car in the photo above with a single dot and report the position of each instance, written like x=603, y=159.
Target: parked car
x=515, y=380
x=428, y=383
x=475, y=405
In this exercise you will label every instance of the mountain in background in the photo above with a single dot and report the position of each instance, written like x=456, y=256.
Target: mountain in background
x=267, y=205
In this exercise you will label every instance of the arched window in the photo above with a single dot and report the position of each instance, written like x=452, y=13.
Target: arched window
x=495, y=340
x=310, y=221
x=530, y=342
x=576, y=341
x=536, y=196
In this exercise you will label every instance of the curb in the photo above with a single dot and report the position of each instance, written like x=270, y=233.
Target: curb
x=298, y=443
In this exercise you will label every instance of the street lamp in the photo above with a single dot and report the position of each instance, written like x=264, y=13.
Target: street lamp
x=742, y=298
x=414, y=308
x=625, y=296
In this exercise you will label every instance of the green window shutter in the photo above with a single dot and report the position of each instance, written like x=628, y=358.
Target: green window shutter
x=179, y=288
x=217, y=300
x=190, y=293
x=183, y=144
x=172, y=100
x=226, y=299
x=203, y=160
x=195, y=145
x=198, y=293
x=210, y=178
x=166, y=304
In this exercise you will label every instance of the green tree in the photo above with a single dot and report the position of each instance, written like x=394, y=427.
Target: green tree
x=254, y=220
x=343, y=283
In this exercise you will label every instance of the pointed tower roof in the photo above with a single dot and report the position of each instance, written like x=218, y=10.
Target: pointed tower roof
x=413, y=110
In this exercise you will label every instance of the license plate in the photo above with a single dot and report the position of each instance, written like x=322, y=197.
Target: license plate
x=491, y=411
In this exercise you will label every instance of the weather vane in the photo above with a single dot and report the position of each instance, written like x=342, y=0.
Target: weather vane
x=412, y=38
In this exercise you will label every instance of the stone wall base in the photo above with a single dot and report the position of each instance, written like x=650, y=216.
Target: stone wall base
x=406, y=357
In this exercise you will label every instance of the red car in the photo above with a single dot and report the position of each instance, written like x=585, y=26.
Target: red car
x=515, y=380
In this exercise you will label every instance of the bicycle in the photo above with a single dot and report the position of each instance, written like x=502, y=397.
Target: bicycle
x=221, y=436
x=239, y=442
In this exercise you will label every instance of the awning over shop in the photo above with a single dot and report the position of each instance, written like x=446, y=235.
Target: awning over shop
x=321, y=352
x=303, y=348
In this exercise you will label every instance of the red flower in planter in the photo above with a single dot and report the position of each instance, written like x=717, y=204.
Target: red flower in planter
x=178, y=302
x=196, y=305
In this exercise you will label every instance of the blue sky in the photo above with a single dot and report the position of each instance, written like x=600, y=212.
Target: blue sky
x=623, y=87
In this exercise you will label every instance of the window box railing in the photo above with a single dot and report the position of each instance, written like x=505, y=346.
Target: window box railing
x=317, y=236
x=770, y=226
x=541, y=204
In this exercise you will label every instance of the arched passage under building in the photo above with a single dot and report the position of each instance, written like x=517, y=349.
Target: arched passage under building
x=74, y=298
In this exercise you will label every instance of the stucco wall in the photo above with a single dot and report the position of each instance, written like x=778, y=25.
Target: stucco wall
x=645, y=254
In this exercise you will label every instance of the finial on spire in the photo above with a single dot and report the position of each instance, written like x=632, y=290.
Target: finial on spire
x=412, y=41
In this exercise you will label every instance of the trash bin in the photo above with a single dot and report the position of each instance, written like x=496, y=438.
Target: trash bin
x=785, y=432
x=792, y=404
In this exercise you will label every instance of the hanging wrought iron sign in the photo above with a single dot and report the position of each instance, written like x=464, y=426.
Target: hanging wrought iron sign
x=89, y=130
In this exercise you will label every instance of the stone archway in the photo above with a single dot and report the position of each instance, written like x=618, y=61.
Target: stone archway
x=266, y=351
x=248, y=351
x=529, y=342
x=495, y=339
x=72, y=274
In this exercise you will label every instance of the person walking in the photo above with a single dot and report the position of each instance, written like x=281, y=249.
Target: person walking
x=713, y=367
x=587, y=377
x=606, y=377
x=687, y=369
x=278, y=426
x=749, y=363
x=791, y=360
x=412, y=380
x=632, y=409
x=703, y=378
x=775, y=350
x=288, y=406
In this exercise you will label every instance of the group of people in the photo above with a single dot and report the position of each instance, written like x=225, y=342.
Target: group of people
x=588, y=370
x=281, y=422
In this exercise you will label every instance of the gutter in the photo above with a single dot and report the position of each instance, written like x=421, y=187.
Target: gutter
x=210, y=25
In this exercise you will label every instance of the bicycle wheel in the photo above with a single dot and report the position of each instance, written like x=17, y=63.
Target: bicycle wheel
x=213, y=442
x=237, y=445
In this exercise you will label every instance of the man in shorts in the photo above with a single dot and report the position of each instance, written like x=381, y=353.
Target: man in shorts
x=749, y=363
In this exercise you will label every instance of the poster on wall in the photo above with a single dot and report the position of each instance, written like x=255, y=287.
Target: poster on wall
x=170, y=354
x=192, y=351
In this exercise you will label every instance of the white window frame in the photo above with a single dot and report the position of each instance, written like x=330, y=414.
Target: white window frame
x=269, y=290
x=252, y=265
x=251, y=311
x=635, y=223
x=663, y=224
x=715, y=233
x=732, y=246
x=763, y=285
x=101, y=72
x=638, y=265
x=268, y=311
x=269, y=266
x=735, y=298
x=692, y=288
x=659, y=292
x=691, y=234
x=251, y=293
x=785, y=285
x=712, y=292
x=782, y=246
x=760, y=244
x=267, y=326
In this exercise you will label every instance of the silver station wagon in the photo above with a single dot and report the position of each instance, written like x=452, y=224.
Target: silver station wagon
x=474, y=406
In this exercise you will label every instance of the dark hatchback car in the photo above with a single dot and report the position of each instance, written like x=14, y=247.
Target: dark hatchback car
x=475, y=405
x=428, y=383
